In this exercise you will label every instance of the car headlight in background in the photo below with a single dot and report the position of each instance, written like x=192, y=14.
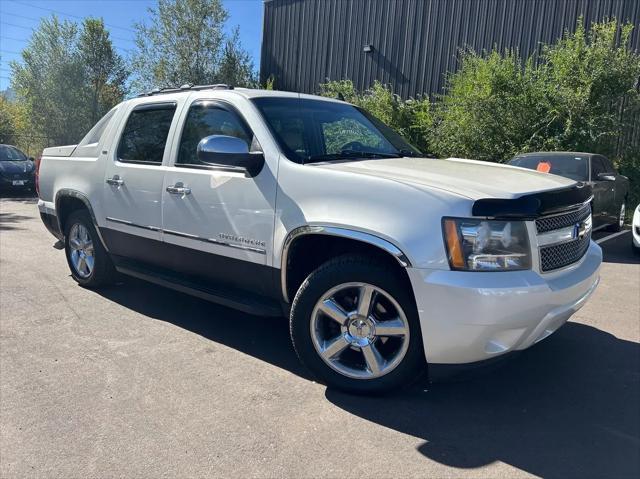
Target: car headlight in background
x=486, y=245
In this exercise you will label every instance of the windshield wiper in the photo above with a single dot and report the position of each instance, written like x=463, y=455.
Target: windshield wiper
x=350, y=154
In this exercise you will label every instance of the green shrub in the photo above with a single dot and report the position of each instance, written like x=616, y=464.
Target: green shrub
x=581, y=94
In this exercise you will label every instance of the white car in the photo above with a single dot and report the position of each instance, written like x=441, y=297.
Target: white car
x=279, y=203
x=635, y=230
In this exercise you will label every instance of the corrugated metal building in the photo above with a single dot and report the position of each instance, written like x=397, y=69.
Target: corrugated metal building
x=410, y=44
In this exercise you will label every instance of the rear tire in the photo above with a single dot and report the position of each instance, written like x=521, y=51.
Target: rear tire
x=368, y=346
x=89, y=262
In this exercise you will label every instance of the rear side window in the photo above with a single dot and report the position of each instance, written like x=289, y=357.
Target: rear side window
x=145, y=134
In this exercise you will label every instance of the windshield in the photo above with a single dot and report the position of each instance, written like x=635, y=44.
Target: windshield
x=570, y=166
x=316, y=130
x=9, y=153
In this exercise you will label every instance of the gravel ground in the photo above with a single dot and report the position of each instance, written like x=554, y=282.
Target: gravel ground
x=140, y=381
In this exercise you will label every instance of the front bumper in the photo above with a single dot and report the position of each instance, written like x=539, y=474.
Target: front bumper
x=473, y=316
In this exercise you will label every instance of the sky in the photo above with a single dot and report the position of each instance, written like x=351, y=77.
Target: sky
x=19, y=17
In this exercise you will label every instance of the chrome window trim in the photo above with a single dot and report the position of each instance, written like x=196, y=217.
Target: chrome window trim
x=340, y=232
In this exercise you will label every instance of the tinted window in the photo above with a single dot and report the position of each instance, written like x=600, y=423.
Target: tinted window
x=206, y=119
x=145, y=134
x=315, y=130
x=9, y=153
x=597, y=167
x=608, y=165
x=570, y=166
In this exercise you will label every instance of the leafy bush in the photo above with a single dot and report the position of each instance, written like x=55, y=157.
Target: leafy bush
x=582, y=94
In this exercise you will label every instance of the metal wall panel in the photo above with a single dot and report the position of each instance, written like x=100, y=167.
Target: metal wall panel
x=415, y=42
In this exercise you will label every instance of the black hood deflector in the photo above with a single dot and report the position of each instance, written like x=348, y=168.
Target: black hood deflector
x=533, y=205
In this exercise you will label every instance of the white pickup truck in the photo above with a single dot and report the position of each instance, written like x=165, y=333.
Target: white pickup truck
x=280, y=203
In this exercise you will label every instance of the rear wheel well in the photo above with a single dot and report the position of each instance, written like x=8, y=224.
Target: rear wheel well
x=308, y=252
x=67, y=205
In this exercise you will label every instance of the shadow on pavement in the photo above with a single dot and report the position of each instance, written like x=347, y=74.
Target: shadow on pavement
x=619, y=250
x=567, y=407
x=264, y=338
x=10, y=221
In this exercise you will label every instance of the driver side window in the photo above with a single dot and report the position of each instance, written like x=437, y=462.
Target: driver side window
x=206, y=119
x=597, y=167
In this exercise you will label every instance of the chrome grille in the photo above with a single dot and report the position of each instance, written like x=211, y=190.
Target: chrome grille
x=550, y=223
x=569, y=251
x=563, y=254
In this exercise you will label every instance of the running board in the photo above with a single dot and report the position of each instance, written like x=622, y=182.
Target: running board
x=254, y=305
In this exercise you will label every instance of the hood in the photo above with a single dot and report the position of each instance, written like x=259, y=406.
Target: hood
x=13, y=167
x=469, y=178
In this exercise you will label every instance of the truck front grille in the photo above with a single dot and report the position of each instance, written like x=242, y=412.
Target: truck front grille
x=556, y=256
x=550, y=223
x=563, y=254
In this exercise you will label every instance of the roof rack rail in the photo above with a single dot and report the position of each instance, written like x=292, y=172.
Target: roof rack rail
x=187, y=87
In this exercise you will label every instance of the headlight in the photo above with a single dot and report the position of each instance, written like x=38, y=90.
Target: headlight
x=486, y=245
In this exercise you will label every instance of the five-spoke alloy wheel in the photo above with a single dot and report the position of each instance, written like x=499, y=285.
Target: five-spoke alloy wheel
x=355, y=325
x=88, y=260
x=82, y=252
x=359, y=330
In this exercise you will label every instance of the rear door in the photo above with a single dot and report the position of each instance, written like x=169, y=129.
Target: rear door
x=134, y=178
x=222, y=229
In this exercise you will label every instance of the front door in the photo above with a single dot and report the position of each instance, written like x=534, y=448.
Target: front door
x=603, y=193
x=218, y=223
x=133, y=182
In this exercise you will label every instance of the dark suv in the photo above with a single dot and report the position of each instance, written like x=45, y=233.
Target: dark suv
x=610, y=190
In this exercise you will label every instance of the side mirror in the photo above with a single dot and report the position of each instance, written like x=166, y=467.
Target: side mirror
x=229, y=151
x=606, y=177
x=31, y=158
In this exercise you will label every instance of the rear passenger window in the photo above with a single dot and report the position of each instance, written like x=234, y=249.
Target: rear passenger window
x=206, y=119
x=145, y=134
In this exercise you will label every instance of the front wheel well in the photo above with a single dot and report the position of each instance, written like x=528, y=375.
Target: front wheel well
x=308, y=252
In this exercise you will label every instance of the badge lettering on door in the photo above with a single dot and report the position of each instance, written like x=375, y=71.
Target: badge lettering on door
x=241, y=240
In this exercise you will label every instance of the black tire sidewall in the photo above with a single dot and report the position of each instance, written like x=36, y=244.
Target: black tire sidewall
x=347, y=269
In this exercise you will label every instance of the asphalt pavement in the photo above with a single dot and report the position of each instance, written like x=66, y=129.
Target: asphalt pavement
x=140, y=381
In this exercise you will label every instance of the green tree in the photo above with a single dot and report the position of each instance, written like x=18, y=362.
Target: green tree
x=104, y=70
x=67, y=78
x=185, y=42
x=579, y=96
x=236, y=67
x=49, y=81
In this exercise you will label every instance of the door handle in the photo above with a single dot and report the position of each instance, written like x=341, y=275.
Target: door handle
x=178, y=189
x=115, y=181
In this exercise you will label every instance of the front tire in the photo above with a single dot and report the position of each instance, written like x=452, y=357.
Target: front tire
x=619, y=224
x=354, y=324
x=88, y=261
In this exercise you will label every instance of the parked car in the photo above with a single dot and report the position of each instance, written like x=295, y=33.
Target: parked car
x=635, y=230
x=273, y=202
x=16, y=169
x=610, y=190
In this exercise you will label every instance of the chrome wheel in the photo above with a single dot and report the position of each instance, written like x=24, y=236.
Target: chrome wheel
x=622, y=213
x=81, y=252
x=359, y=330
